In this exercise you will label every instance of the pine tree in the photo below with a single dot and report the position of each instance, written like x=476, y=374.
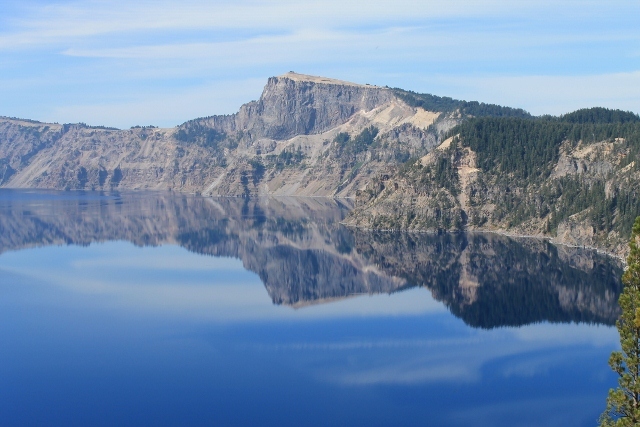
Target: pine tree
x=623, y=403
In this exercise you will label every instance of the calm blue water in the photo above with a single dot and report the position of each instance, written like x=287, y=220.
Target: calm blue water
x=159, y=309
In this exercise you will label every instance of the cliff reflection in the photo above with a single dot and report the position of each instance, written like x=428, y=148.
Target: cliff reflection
x=490, y=280
x=304, y=256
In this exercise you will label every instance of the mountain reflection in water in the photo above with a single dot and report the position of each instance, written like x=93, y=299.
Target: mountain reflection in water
x=304, y=256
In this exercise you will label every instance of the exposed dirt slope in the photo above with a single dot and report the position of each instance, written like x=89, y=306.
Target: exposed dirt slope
x=284, y=144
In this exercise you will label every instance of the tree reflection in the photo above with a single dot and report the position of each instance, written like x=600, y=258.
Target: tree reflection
x=304, y=256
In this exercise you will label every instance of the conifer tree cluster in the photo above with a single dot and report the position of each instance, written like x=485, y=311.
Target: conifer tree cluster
x=623, y=403
x=518, y=157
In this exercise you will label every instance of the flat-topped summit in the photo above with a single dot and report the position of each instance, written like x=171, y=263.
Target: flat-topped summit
x=305, y=135
x=298, y=104
x=323, y=80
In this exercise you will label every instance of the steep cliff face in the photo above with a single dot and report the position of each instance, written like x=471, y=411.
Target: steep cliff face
x=20, y=141
x=295, y=104
x=284, y=143
x=82, y=157
x=287, y=142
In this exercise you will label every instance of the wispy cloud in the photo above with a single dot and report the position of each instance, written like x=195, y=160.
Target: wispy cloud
x=190, y=286
x=79, y=23
x=64, y=57
x=524, y=351
x=53, y=23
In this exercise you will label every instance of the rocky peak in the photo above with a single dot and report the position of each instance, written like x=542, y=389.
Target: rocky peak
x=297, y=104
x=292, y=75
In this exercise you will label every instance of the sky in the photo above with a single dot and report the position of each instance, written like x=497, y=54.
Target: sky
x=121, y=63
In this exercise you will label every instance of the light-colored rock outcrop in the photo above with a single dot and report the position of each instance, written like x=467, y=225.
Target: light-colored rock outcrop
x=240, y=154
x=446, y=190
x=320, y=137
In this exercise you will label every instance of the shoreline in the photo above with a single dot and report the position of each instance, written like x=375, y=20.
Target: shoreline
x=500, y=233
x=505, y=233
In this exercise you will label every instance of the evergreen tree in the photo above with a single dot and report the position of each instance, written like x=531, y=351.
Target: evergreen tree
x=623, y=403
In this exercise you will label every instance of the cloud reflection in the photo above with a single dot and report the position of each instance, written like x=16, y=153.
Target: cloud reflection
x=518, y=352
x=170, y=280
x=189, y=247
x=184, y=295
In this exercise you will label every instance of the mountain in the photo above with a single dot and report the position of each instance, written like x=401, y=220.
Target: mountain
x=412, y=161
x=304, y=256
x=573, y=179
x=306, y=136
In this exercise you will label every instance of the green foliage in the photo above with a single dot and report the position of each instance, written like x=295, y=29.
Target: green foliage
x=368, y=145
x=6, y=171
x=342, y=138
x=213, y=140
x=401, y=156
x=410, y=165
x=361, y=143
x=68, y=126
x=600, y=115
x=518, y=156
x=595, y=132
x=286, y=158
x=440, y=182
x=628, y=205
x=518, y=185
x=289, y=157
x=116, y=177
x=22, y=120
x=529, y=147
x=522, y=147
x=467, y=108
x=257, y=170
x=102, y=176
x=83, y=177
x=445, y=175
x=349, y=153
x=364, y=140
x=195, y=133
x=623, y=403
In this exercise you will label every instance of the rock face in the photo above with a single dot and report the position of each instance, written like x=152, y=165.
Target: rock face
x=390, y=149
x=283, y=144
x=295, y=104
x=80, y=157
x=587, y=196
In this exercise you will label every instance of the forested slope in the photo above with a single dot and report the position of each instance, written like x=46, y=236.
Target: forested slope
x=573, y=178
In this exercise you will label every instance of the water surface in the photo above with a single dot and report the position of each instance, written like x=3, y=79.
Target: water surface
x=163, y=309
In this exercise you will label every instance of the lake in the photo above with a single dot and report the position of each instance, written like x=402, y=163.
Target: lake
x=162, y=309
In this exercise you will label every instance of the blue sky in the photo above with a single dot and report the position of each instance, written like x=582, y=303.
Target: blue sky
x=122, y=63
